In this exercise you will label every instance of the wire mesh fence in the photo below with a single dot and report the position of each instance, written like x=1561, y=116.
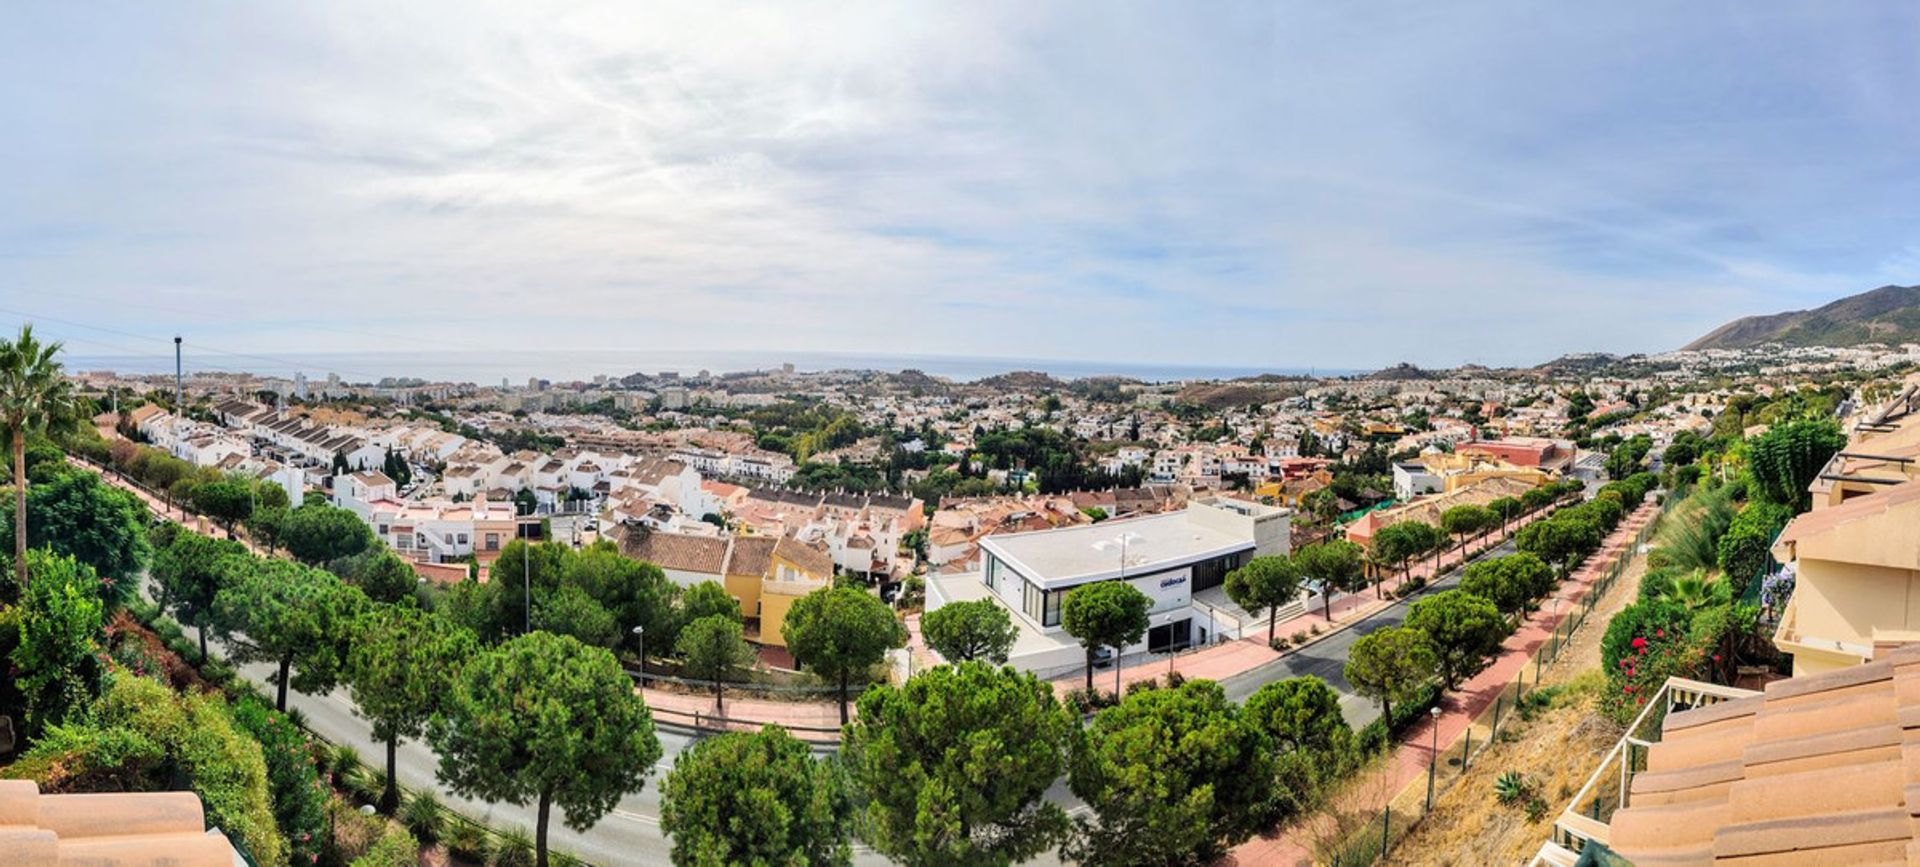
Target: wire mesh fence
x=1369, y=836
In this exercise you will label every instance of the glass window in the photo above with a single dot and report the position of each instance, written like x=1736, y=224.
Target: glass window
x=1051, y=616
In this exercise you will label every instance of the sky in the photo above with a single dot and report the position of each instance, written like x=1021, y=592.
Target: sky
x=1277, y=183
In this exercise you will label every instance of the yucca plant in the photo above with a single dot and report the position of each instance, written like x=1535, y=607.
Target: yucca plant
x=469, y=842
x=364, y=784
x=345, y=759
x=1510, y=787
x=423, y=815
x=515, y=849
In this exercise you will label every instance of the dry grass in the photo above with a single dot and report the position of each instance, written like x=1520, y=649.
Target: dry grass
x=1555, y=752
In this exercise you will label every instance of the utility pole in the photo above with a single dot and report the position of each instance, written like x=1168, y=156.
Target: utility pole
x=179, y=379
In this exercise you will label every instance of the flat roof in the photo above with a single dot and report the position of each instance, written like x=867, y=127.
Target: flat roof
x=1067, y=555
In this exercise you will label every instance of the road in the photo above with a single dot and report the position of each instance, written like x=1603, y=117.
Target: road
x=631, y=833
x=1327, y=658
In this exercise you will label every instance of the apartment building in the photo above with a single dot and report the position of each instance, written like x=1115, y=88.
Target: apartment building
x=1856, y=554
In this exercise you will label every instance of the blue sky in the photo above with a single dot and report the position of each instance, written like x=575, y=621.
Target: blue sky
x=1286, y=184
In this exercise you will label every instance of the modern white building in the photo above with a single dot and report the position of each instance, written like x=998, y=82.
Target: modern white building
x=1170, y=557
x=1412, y=478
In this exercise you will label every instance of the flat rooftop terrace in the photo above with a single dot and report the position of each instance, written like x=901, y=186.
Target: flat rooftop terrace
x=1068, y=555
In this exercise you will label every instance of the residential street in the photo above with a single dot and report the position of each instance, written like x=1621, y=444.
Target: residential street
x=631, y=833
x=1327, y=657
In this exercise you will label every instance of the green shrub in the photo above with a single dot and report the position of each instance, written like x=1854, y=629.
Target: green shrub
x=299, y=801
x=423, y=815
x=469, y=842
x=345, y=759
x=142, y=737
x=364, y=784
x=395, y=848
x=514, y=850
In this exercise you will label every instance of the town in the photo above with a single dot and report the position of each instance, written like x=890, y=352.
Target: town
x=1231, y=533
x=984, y=434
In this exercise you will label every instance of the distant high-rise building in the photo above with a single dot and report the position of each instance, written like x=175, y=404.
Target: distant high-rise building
x=300, y=385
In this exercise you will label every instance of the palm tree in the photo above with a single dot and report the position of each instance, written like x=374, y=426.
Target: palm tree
x=34, y=398
x=1695, y=591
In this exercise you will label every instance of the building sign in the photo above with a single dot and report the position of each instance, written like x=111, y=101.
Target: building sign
x=1175, y=581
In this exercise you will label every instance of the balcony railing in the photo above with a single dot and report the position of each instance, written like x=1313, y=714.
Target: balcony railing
x=1588, y=817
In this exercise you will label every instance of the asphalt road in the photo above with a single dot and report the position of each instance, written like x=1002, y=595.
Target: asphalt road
x=631, y=833
x=1327, y=658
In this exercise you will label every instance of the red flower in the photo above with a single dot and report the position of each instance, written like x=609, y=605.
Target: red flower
x=1716, y=657
x=1659, y=633
x=1643, y=651
x=1640, y=700
x=1639, y=643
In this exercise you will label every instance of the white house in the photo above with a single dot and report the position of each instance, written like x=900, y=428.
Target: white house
x=1171, y=557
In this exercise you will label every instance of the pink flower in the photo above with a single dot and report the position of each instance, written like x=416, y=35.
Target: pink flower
x=1659, y=633
x=1716, y=657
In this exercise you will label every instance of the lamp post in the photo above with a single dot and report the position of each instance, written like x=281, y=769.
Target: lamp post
x=1172, y=651
x=640, y=635
x=1433, y=764
x=526, y=583
x=1121, y=542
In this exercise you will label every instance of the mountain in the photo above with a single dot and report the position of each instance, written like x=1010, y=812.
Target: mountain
x=1889, y=314
x=1399, y=371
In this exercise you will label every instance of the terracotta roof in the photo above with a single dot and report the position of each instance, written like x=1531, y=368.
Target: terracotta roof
x=107, y=829
x=677, y=551
x=810, y=559
x=752, y=555
x=1821, y=769
x=1877, y=503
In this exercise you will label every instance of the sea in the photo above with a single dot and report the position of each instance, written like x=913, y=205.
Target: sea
x=517, y=366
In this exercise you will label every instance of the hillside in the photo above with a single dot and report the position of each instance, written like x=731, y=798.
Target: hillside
x=1889, y=314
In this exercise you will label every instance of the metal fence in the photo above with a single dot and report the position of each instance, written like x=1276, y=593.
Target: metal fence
x=1369, y=836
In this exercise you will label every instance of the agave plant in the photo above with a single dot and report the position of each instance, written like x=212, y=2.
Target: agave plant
x=1511, y=787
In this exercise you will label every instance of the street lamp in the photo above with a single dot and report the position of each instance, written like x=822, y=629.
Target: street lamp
x=1120, y=542
x=1172, y=651
x=1433, y=764
x=640, y=635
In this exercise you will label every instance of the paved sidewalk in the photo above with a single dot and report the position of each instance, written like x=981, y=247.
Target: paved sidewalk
x=1461, y=707
x=1233, y=657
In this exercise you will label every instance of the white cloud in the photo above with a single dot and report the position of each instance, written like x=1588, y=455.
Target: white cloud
x=1293, y=186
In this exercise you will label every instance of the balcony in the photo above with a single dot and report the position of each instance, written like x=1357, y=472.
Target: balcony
x=1814, y=653
x=1587, y=820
